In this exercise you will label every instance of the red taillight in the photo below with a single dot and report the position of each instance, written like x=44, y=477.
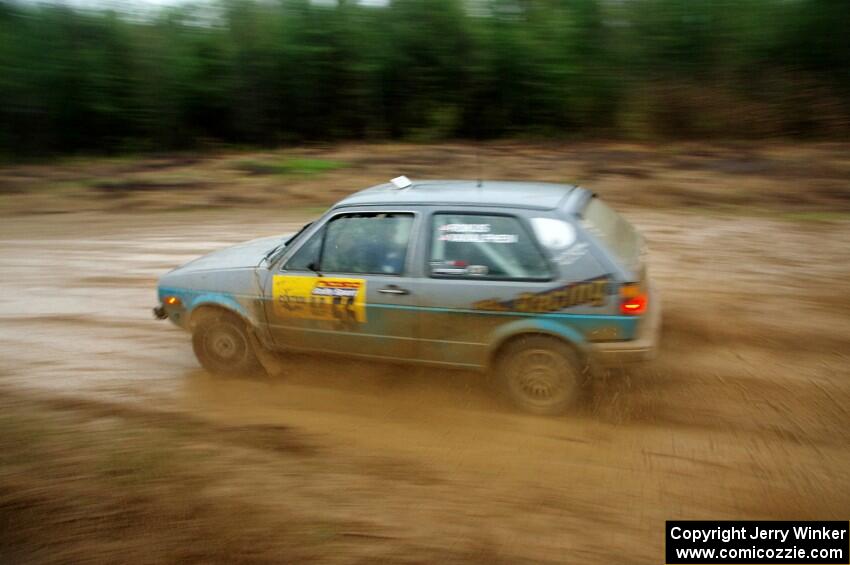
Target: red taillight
x=633, y=301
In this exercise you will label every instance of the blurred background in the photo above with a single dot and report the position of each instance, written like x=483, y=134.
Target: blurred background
x=108, y=77
x=135, y=136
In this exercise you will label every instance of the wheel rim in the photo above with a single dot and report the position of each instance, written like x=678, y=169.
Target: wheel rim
x=540, y=377
x=225, y=343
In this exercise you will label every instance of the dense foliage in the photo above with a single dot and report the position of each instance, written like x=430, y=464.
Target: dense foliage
x=268, y=72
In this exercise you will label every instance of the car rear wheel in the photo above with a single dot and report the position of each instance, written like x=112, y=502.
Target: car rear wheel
x=540, y=374
x=222, y=344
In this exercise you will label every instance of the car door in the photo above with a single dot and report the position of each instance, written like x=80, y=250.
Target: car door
x=346, y=289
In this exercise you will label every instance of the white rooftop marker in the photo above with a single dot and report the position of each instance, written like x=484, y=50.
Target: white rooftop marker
x=401, y=182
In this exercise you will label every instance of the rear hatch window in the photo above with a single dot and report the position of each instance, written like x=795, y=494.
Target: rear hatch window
x=615, y=232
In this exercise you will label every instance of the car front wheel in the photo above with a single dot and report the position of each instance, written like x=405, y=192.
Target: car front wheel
x=540, y=374
x=222, y=344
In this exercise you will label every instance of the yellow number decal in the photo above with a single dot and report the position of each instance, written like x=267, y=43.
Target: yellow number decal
x=320, y=298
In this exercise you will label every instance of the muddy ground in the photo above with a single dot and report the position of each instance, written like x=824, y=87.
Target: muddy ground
x=115, y=446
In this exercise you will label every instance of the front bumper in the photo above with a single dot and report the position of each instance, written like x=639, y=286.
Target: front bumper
x=639, y=350
x=173, y=314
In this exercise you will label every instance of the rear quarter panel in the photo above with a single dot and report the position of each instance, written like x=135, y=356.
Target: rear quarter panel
x=463, y=321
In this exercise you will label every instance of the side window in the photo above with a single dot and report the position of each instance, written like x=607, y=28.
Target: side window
x=489, y=247
x=367, y=243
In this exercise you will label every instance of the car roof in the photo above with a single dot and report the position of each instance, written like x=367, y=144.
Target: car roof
x=511, y=194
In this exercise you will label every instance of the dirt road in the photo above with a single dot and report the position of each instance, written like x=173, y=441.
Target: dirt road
x=142, y=456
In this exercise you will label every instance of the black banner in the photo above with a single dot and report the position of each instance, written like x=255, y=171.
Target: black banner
x=695, y=541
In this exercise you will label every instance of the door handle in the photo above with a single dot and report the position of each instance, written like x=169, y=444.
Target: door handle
x=393, y=289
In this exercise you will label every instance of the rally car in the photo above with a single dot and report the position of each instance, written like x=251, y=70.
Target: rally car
x=533, y=282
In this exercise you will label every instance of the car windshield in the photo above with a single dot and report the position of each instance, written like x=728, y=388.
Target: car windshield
x=289, y=240
x=296, y=234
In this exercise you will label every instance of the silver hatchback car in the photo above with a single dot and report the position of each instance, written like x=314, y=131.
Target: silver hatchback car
x=535, y=282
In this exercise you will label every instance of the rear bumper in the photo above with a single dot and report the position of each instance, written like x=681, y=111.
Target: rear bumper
x=639, y=350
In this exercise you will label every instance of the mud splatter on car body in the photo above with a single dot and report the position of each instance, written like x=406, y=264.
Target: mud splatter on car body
x=437, y=272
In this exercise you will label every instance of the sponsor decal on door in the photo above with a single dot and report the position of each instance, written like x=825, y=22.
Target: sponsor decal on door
x=320, y=298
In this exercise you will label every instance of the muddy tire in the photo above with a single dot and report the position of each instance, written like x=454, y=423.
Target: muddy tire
x=540, y=374
x=223, y=346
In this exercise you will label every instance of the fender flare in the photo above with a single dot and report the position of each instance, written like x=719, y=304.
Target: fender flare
x=538, y=325
x=221, y=300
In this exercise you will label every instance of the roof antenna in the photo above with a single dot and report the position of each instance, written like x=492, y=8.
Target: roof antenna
x=478, y=162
